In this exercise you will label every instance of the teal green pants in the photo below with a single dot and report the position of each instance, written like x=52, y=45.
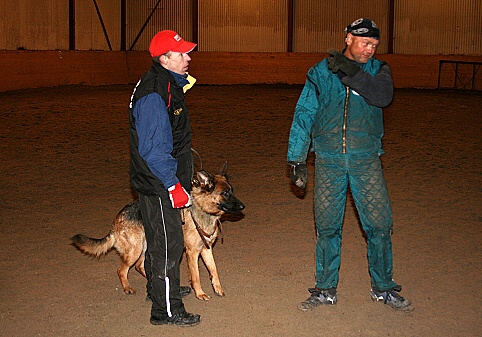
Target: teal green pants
x=365, y=178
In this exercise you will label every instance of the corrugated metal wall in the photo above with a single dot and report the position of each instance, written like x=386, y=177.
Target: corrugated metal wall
x=34, y=24
x=429, y=27
x=319, y=25
x=89, y=32
x=243, y=25
x=438, y=27
x=169, y=14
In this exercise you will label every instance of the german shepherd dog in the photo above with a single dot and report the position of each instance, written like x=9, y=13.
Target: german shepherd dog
x=212, y=197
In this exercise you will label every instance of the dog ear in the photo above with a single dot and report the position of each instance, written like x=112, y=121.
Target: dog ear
x=206, y=179
x=195, y=181
x=203, y=177
x=224, y=169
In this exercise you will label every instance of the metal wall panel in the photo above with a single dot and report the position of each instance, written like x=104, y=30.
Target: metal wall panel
x=320, y=25
x=431, y=27
x=243, y=25
x=438, y=27
x=169, y=14
x=34, y=24
x=89, y=32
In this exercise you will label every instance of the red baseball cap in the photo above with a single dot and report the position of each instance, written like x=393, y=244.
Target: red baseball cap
x=169, y=40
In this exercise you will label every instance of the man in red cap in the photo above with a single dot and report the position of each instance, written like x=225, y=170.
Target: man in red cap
x=161, y=171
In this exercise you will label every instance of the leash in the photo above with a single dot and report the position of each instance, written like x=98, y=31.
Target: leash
x=202, y=233
x=200, y=160
x=193, y=177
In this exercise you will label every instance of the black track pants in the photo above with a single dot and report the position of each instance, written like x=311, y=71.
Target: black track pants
x=165, y=244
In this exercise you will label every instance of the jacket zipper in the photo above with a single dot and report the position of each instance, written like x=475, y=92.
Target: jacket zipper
x=345, y=117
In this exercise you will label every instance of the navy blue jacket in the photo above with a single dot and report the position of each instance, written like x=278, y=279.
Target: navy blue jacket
x=160, y=132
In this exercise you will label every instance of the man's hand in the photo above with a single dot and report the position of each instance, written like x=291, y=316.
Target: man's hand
x=339, y=62
x=179, y=197
x=299, y=174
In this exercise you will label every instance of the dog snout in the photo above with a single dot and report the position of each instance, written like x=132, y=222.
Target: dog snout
x=241, y=206
x=232, y=207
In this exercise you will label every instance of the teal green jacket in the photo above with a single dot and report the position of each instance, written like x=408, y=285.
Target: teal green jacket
x=341, y=116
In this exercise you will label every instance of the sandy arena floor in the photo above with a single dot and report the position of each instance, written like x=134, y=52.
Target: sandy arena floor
x=65, y=162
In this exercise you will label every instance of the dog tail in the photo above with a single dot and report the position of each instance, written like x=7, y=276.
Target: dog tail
x=94, y=247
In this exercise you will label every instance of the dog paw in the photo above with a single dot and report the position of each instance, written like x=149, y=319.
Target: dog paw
x=219, y=292
x=203, y=297
x=129, y=291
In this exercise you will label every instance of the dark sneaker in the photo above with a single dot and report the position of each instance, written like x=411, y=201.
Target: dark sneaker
x=393, y=299
x=318, y=297
x=183, y=291
x=181, y=319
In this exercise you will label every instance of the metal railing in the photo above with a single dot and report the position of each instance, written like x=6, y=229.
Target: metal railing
x=462, y=76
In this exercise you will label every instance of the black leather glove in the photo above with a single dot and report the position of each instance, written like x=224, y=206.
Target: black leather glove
x=298, y=174
x=339, y=62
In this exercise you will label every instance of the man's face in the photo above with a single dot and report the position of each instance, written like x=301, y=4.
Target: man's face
x=360, y=49
x=177, y=62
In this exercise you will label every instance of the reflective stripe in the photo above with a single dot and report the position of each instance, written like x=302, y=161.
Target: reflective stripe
x=166, y=278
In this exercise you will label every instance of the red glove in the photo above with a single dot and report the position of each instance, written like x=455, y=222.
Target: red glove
x=179, y=197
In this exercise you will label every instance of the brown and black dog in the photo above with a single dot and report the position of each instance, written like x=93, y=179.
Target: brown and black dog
x=212, y=197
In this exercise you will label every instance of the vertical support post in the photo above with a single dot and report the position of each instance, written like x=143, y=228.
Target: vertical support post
x=391, y=23
x=123, y=25
x=195, y=21
x=291, y=7
x=71, y=24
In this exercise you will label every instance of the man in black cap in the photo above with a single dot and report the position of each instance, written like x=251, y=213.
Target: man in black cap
x=339, y=112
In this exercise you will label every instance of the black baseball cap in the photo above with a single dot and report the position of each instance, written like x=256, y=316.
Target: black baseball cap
x=363, y=27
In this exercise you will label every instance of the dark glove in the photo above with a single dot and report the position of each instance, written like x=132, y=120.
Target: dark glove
x=298, y=174
x=339, y=62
